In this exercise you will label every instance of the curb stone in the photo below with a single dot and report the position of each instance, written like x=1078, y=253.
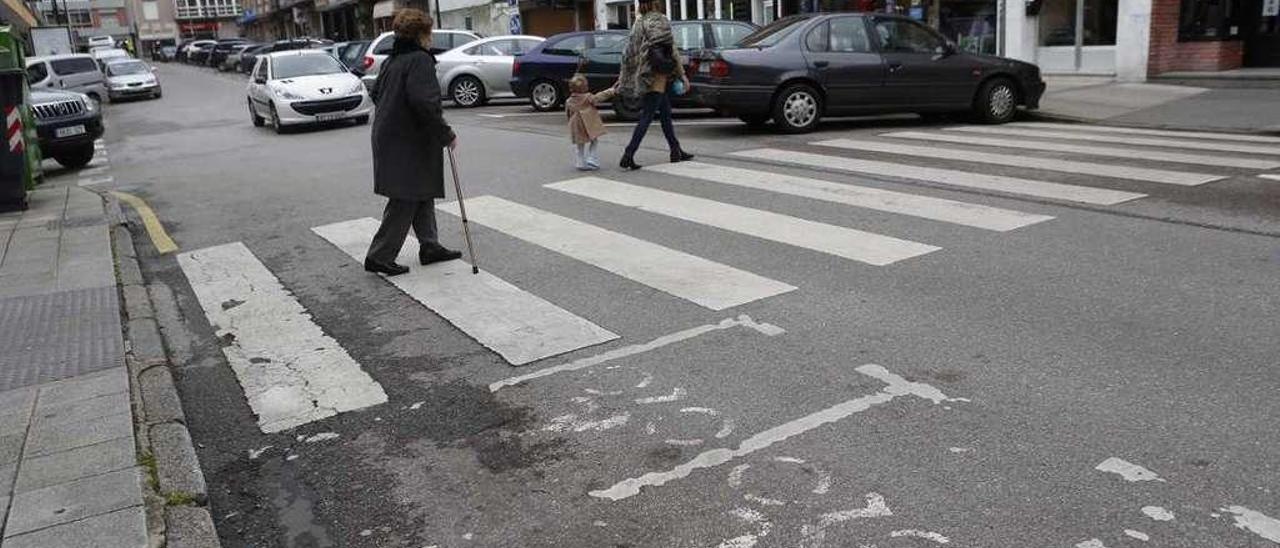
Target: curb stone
x=158, y=419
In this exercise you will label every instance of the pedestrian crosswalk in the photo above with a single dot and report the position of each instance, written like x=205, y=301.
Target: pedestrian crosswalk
x=245, y=301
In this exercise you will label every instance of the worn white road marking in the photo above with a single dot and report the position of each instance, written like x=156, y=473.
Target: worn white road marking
x=323, y=436
x=815, y=534
x=1107, y=151
x=1137, y=534
x=902, y=203
x=701, y=281
x=735, y=475
x=1121, y=139
x=573, y=423
x=897, y=386
x=1159, y=132
x=763, y=527
x=583, y=363
x=1127, y=470
x=1157, y=513
x=93, y=171
x=1091, y=543
x=1255, y=522
x=1010, y=185
x=89, y=181
x=916, y=533
x=676, y=394
x=1183, y=178
x=291, y=372
x=518, y=325
x=1272, y=176
x=857, y=245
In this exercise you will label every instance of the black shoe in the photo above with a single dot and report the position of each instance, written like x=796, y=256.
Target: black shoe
x=680, y=156
x=390, y=269
x=437, y=254
x=628, y=163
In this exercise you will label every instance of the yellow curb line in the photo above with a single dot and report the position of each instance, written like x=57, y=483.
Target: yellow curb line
x=159, y=238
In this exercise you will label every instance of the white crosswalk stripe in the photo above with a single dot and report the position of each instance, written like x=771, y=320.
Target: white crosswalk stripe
x=1157, y=132
x=998, y=183
x=1119, y=139
x=925, y=207
x=1272, y=176
x=1106, y=151
x=1183, y=178
x=519, y=326
x=704, y=282
x=857, y=245
x=291, y=371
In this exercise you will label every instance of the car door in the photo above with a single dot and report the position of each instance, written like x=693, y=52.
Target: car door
x=38, y=75
x=839, y=52
x=493, y=61
x=922, y=67
x=258, y=87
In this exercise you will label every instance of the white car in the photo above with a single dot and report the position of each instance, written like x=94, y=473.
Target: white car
x=130, y=78
x=105, y=55
x=99, y=41
x=305, y=86
x=481, y=70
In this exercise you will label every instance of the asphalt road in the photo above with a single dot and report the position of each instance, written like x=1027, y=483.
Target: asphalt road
x=1012, y=365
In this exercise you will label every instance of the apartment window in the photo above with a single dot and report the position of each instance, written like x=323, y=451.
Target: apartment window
x=150, y=11
x=1209, y=20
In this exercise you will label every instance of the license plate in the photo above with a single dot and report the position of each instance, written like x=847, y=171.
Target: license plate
x=69, y=131
x=704, y=68
x=328, y=117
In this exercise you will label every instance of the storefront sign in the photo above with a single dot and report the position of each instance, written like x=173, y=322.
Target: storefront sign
x=1270, y=8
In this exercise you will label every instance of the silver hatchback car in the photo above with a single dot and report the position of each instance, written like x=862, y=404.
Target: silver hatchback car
x=380, y=49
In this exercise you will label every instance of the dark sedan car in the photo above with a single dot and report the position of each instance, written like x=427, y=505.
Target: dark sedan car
x=67, y=123
x=249, y=57
x=220, y=51
x=803, y=67
x=542, y=73
x=199, y=53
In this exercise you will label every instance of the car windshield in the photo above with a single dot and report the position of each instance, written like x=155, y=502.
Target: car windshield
x=292, y=66
x=773, y=33
x=127, y=67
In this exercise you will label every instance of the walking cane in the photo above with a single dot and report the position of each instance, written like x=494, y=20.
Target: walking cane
x=466, y=230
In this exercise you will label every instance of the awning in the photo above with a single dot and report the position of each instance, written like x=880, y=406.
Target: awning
x=384, y=8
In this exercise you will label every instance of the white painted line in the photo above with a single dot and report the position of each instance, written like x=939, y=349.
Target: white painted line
x=1271, y=176
x=1157, y=132
x=1184, y=178
x=925, y=207
x=1127, y=470
x=518, y=325
x=706, y=283
x=916, y=533
x=94, y=171
x=1157, y=513
x=98, y=161
x=1010, y=185
x=1255, y=522
x=897, y=386
x=583, y=363
x=1137, y=534
x=857, y=245
x=520, y=114
x=1119, y=139
x=87, y=181
x=1106, y=151
x=678, y=122
x=1091, y=543
x=99, y=145
x=292, y=373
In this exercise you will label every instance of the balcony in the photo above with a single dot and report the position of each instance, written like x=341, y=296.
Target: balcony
x=206, y=12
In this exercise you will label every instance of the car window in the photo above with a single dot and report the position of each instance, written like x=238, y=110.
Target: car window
x=729, y=35
x=74, y=65
x=611, y=41
x=498, y=47
x=816, y=40
x=521, y=47
x=688, y=35
x=774, y=33
x=462, y=39
x=849, y=35
x=291, y=66
x=384, y=46
x=573, y=46
x=128, y=67
x=351, y=54
x=37, y=73
x=901, y=36
x=264, y=68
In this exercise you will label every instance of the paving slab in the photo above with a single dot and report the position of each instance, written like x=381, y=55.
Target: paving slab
x=10, y=448
x=114, y=381
x=54, y=336
x=48, y=439
x=124, y=528
x=74, y=464
x=15, y=400
x=75, y=500
x=82, y=410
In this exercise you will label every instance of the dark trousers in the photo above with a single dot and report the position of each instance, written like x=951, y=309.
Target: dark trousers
x=655, y=104
x=396, y=220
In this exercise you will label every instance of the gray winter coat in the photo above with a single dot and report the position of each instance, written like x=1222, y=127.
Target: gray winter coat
x=409, y=131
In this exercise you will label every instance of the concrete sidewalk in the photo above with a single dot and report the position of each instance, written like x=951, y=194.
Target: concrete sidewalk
x=1104, y=100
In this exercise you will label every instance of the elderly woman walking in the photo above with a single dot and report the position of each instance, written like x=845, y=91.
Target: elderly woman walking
x=650, y=65
x=409, y=136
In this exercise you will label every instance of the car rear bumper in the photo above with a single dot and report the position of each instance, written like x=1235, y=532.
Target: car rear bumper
x=733, y=99
x=307, y=112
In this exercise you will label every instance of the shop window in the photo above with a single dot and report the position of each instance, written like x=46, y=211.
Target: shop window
x=1209, y=20
x=1058, y=22
x=971, y=25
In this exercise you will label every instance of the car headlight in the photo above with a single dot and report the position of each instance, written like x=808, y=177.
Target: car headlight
x=89, y=104
x=286, y=94
x=356, y=89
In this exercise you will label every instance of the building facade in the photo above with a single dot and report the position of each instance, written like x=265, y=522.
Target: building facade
x=88, y=18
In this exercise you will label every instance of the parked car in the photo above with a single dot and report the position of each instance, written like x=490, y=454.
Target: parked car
x=185, y=49
x=542, y=73
x=441, y=41
x=100, y=41
x=199, y=52
x=232, y=62
x=131, y=78
x=168, y=53
x=602, y=65
x=101, y=56
x=804, y=67
x=249, y=57
x=72, y=72
x=221, y=50
x=293, y=44
x=350, y=53
x=67, y=124
x=476, y=72
x=305, y=86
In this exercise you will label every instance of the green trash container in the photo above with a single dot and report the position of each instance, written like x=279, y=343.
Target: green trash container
x=16, y=175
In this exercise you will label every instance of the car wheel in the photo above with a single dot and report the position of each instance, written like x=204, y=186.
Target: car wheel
x=997, y=101
x=275, y=120
x=797, y=109
x=467, y=91
x=754, y=120
x=545, y=96
x=75, y=158
x=253, y=115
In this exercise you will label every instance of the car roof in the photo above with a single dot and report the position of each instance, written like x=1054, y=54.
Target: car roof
x=58, y=57
x=296, y=52
x=119, y=60
x=507, y=37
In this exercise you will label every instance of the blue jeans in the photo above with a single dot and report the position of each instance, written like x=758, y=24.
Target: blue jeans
x=659, y=104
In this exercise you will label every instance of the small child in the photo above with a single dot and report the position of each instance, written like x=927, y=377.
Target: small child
x=585, y=126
